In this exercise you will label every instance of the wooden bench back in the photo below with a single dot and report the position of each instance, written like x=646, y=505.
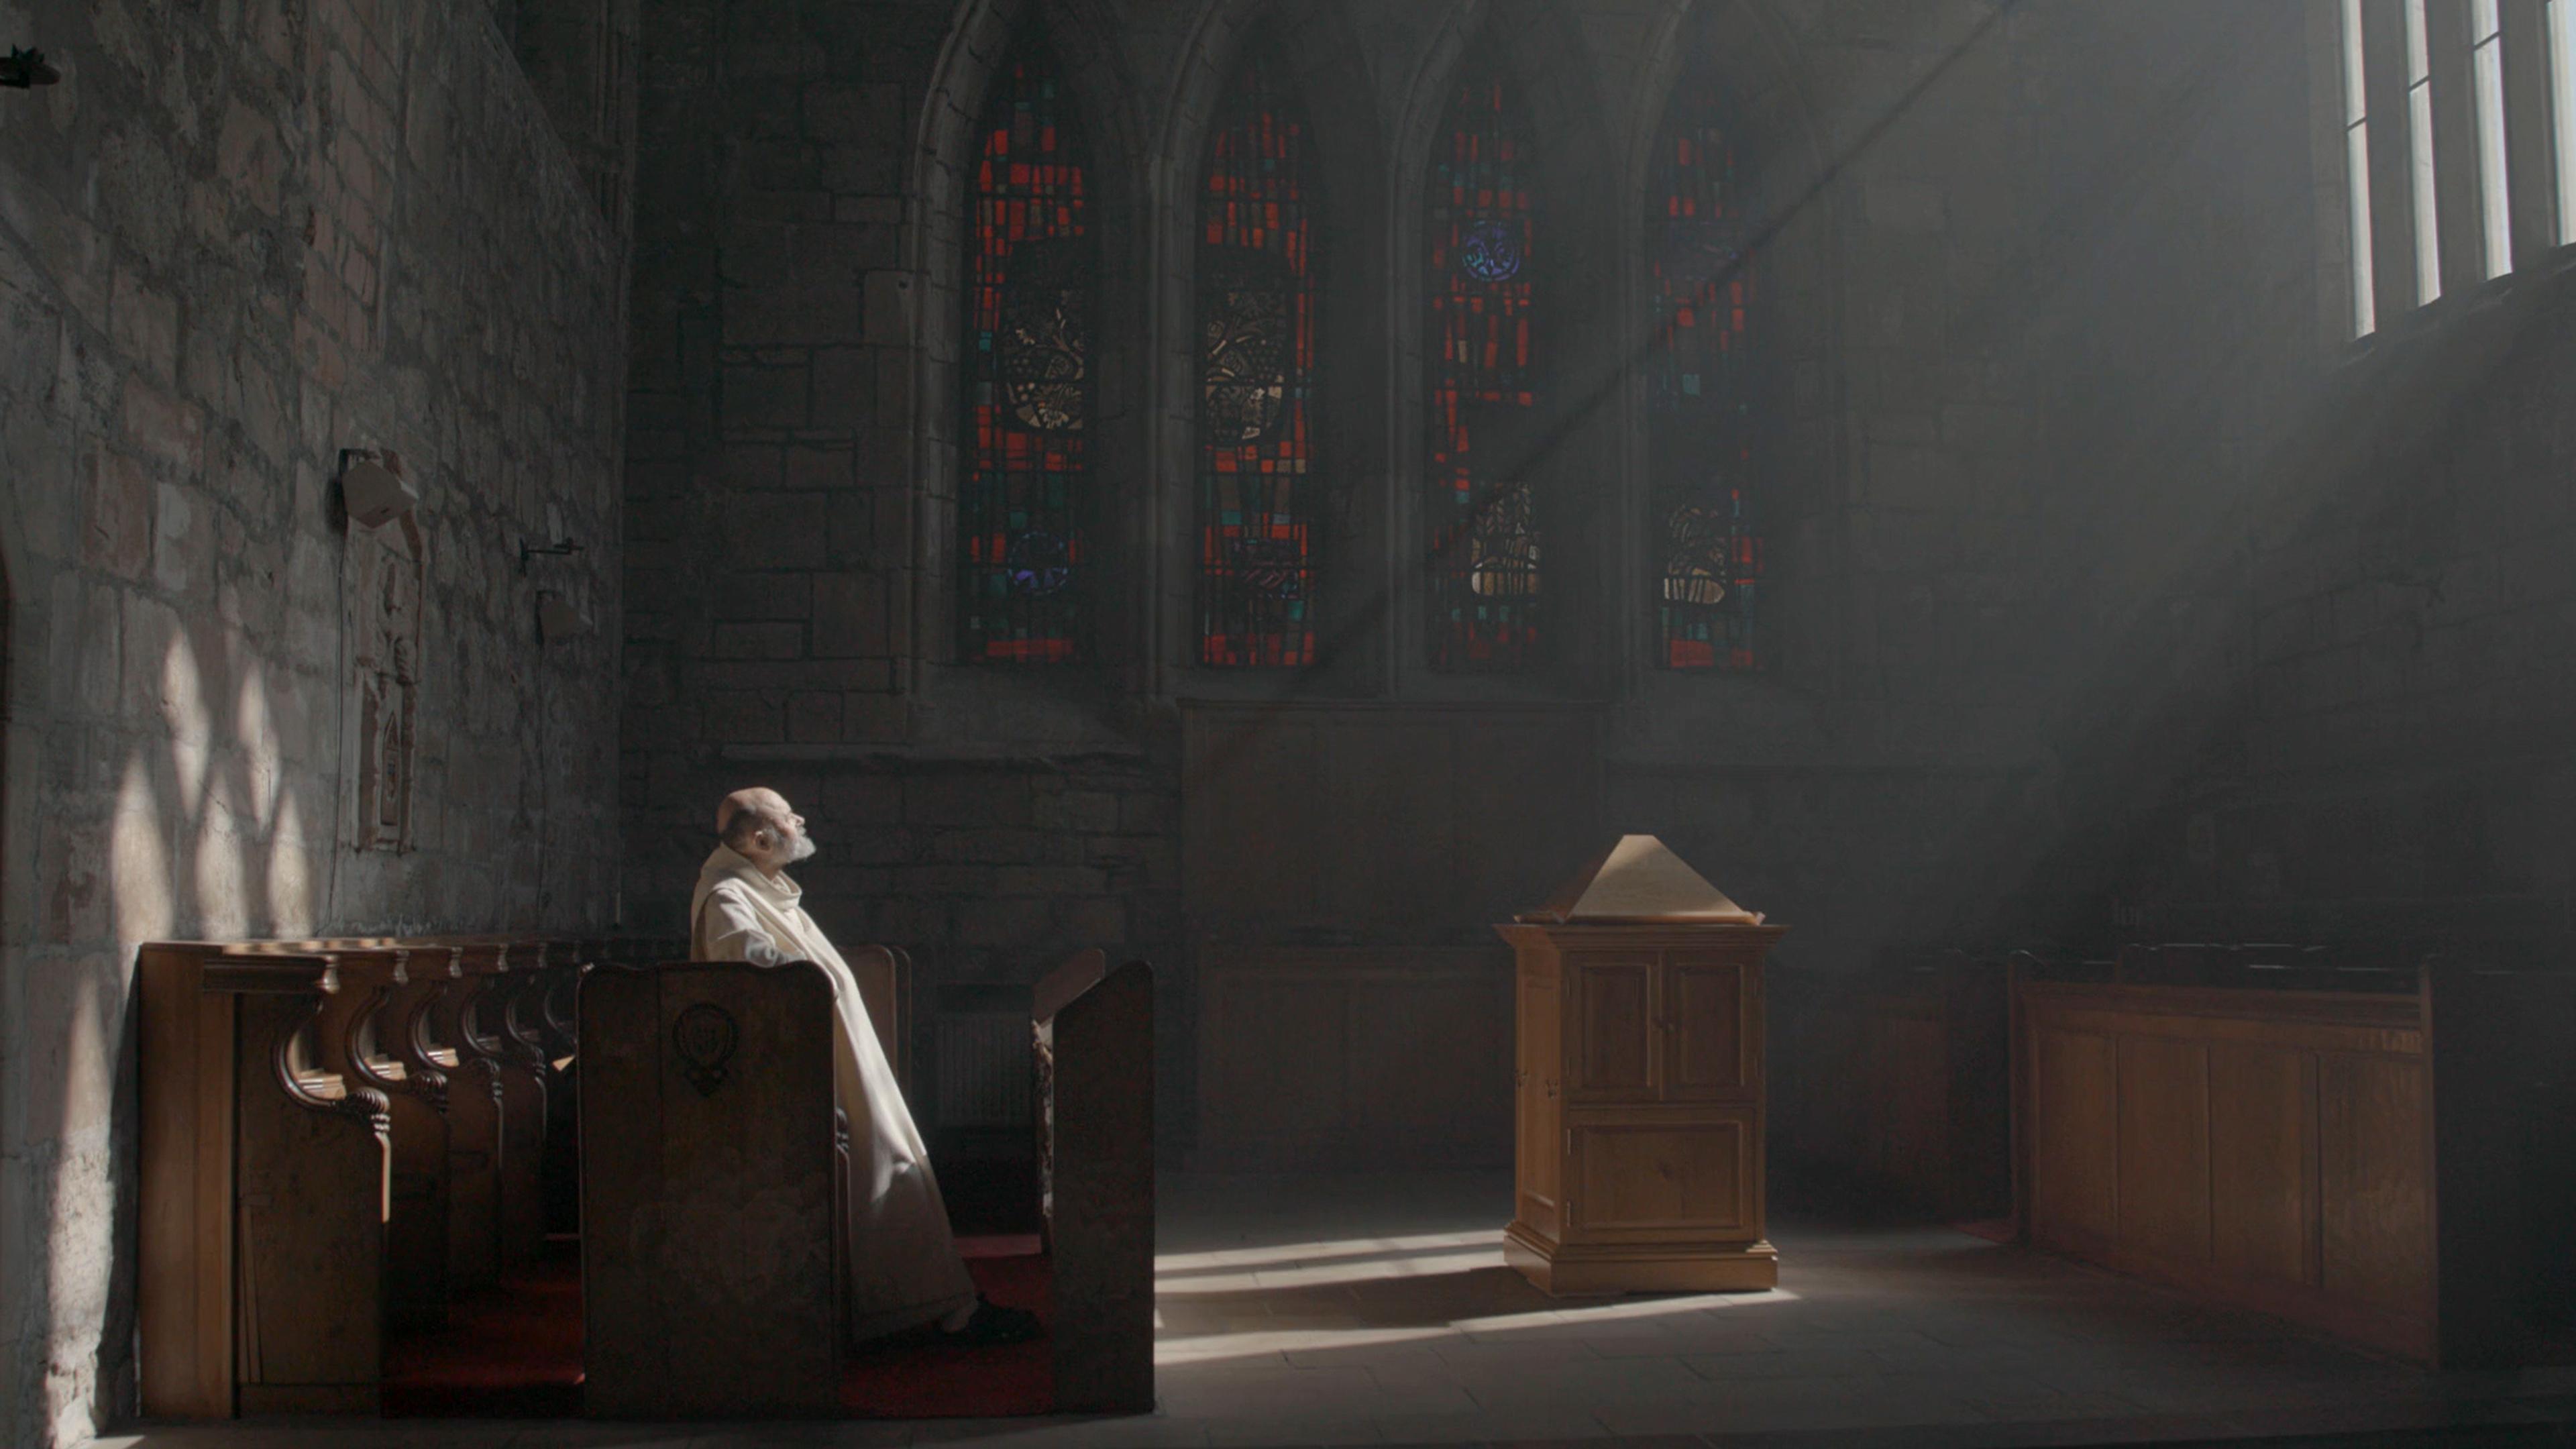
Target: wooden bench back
x=709, y=1182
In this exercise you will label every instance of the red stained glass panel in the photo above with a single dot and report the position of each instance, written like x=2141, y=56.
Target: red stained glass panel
x=1025, y=496
x=1703, y=395
x=1484, y=576
x=1257, y=300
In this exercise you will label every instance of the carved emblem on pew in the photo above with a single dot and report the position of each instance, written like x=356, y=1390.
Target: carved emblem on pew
x=706, y=1035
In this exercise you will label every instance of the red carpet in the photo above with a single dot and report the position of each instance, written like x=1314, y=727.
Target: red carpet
x=925, y=1381
x=512, y=1353
x=515, y=1353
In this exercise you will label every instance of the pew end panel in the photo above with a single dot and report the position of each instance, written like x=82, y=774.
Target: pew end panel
x=264, y=1195
x=184, y=1291
x=709, y=1183
x=885, y=988
x=1094, y=1051
x=2504, y=1130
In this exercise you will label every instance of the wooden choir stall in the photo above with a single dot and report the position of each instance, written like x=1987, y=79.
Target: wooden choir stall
x=1639, y=1083
x=2380, y=1152
x=365, y=1161
x=340, y=1139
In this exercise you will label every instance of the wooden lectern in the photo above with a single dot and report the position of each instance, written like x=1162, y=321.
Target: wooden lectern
x=1638, y=1083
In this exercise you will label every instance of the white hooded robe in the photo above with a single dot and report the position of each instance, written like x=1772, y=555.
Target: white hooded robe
x=904, y=1268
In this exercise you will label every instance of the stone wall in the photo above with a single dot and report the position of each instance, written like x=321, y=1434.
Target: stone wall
x=2387, y=760
x=235, y=241
x=2336, y=671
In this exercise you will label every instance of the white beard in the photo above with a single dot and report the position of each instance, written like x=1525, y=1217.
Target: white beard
x=802, y=849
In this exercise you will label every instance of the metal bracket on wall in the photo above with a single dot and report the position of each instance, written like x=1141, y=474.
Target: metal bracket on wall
x=560, y=548
x=21, y=69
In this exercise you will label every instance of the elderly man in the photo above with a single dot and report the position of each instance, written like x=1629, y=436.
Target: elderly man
x=904, y=1268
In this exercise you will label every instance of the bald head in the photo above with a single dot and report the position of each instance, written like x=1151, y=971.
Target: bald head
x=760, y=826
x=759, y=800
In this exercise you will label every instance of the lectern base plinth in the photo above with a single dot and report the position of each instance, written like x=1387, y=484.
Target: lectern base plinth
x=1590, y=1270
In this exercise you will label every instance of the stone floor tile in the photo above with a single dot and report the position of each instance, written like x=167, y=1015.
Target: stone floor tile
x=1294, y=1433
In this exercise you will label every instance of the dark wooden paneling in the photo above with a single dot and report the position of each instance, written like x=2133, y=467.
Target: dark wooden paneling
x=1276, y=1075
x=1315, y=1056
x=1256, y=846
x=1392, y=790
x=2268, y=1149
x=2163, y=1146
x=2376, y=1190
x=2074, y=1108
x=2262, y=1163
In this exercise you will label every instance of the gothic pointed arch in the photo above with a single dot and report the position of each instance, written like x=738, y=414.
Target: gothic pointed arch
x=1259, y=504
x=1026, y=498
x=1735, y=355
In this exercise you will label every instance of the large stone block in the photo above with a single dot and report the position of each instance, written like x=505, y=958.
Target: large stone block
x=849, y=616
x=777, y=530
x=116, y=531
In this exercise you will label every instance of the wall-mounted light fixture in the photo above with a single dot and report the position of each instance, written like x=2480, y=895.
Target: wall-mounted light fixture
x=560, y=548
x=372, y=489
x=20, y=69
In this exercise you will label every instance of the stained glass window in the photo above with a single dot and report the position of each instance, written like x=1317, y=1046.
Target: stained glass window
x=1702, y=396
x=1024, y=505
x=1257, y=293
x=1483, y=580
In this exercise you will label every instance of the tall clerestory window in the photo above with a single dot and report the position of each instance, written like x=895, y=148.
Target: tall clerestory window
x=2495, y=205
x=2356, y=171
x=1258, y=495
x=1024, y=506
x=1480, y=513
x=2562, y=108
x=1703, y=403
x=2419, y=139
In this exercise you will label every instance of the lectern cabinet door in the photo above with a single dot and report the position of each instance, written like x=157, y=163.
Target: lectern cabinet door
x=1663, y=1173
x=1708, y=1001
x=1610, y=1050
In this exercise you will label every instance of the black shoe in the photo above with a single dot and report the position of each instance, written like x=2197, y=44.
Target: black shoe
x=993, y=1324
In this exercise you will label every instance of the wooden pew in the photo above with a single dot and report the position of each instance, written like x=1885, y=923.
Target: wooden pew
x=366, y=1035
x=2387, y=1163
x=479, y=1091
x=359, y=1034
x=512, y=1068
x=264, y=1186
x=1092, y=1037
x=710, y=1191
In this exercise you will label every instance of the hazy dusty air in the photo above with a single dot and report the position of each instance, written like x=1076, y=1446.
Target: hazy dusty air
x=1282, y=544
